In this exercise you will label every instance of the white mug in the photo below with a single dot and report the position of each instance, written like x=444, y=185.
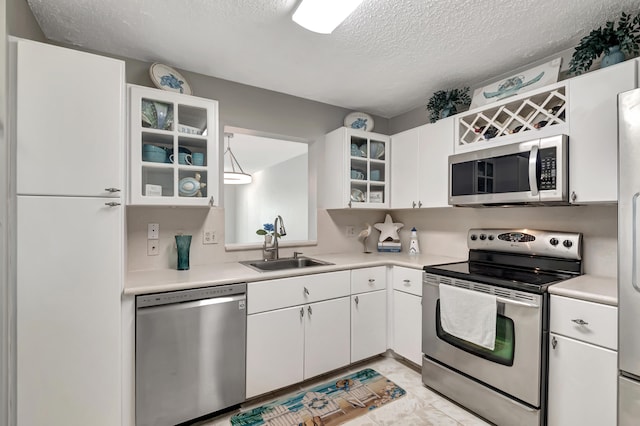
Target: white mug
x=183, y=158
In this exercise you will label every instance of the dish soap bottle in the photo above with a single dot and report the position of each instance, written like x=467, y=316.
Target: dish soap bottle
x=414, y=248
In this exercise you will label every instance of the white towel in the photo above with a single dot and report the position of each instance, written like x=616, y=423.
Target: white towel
x=469, y=315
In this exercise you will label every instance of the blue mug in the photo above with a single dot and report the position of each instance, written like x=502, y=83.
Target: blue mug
x=197, y=158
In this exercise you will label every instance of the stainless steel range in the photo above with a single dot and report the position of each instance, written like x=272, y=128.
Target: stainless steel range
x=507, y=383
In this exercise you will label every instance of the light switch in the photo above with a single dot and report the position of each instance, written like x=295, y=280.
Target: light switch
x=153, y=231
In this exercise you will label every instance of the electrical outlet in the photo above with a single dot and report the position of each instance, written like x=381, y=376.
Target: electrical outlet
x=209, y=237
x=153, y=247
x=153, y=231
x=350, y=231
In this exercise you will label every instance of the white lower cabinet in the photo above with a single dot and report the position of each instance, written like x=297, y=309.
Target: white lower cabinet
x=368, y=324
x=326, y=337
x=275, y=349
x=288, y=344
x=407, y=313
x=407, y=326
x=582, y=383
x=583, y=363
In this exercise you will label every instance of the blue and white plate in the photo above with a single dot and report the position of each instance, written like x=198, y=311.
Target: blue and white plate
x=359, y=120
x=166, y=78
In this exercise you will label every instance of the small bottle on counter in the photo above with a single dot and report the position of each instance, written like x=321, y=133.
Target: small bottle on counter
x=414, y=247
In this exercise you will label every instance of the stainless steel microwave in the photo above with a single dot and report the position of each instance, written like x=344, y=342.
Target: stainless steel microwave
x=532, y=172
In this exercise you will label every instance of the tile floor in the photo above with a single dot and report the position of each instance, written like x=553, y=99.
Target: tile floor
x=420, y=407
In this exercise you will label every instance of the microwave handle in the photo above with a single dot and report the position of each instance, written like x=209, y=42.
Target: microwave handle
x=533, y=166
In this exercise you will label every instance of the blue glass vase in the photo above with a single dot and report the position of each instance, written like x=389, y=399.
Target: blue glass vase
x=183, y=242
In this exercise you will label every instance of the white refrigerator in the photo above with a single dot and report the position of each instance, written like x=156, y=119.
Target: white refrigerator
x=628, y=258
x=68, y=133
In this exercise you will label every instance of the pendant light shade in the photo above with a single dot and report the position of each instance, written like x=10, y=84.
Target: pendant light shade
x=323, y=16
x=233, y=173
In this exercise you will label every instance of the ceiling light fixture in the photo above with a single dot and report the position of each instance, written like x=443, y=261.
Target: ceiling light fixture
x=236, y=176
x=323, y=16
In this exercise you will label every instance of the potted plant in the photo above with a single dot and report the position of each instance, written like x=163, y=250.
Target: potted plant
x=611, y=40
x=444, y=103
x=268, y=231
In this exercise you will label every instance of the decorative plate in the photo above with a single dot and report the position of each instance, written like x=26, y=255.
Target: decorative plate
x=359, y=120
x=165, y=77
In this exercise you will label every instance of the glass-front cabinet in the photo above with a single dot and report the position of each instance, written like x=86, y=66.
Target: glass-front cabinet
x=363, y=179
x=173, y=148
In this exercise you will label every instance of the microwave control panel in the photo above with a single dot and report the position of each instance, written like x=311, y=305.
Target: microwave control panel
x=548, y=169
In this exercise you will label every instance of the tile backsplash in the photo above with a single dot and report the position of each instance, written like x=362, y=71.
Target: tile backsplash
x=440, y=231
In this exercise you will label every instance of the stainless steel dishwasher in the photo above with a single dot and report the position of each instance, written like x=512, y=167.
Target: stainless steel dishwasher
x=190, y=353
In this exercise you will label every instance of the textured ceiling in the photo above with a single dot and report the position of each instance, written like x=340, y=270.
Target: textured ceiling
x=387, y=58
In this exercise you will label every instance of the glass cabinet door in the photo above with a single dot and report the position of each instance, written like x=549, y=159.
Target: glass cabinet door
x=368, y=170
x=174, y=153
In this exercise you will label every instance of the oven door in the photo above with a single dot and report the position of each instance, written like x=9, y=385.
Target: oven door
x=528, y=172
x=514, y=366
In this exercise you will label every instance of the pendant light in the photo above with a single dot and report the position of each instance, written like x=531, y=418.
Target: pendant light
x=234, y=175
x=323, y=16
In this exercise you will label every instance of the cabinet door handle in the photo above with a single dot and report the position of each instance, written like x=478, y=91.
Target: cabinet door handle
x=349, y=204
x=574, y=196
x=554, y=342
x=301, y=312
x=211, y=201
x=112, y=189
x=419, y=204
x=413, y=204
x=309, y=310
x=306, y=291
x=580, y=321
x=357, y=300
x=407, y=282
x=112, y=204
x=372, y=280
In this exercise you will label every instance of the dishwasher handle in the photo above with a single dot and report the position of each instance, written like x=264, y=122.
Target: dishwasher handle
x=241, y=298
x=194, y=294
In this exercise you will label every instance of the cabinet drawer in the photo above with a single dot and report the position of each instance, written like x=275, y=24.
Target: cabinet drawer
x=587, y=321
x=368, y=279
x=408, y=280
x=281, y=293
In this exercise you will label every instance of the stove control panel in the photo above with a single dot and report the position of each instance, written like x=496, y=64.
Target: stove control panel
x=566, y=245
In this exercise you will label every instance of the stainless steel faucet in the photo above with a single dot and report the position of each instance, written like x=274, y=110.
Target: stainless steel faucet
x=270, y=251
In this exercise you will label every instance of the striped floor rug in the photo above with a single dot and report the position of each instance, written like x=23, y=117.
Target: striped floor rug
x=329, y=404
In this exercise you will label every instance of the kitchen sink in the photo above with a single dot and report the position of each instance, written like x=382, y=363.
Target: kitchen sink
x=281, y=264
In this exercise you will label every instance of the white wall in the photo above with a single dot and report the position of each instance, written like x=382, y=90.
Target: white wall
x=278, y=190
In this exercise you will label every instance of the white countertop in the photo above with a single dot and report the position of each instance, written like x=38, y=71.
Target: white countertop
x=159, y=280
x=590, y=288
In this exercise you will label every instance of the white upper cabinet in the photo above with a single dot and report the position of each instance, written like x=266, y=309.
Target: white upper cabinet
x=69, y=118
x=436, y=144
x=173, y=148
x=419, y=166
x=404, y=169
x=354, y=170
x=593, y=137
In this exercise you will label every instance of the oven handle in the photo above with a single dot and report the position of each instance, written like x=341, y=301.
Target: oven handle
x=500, y=299
x=533, y=166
